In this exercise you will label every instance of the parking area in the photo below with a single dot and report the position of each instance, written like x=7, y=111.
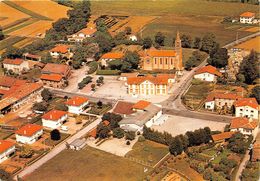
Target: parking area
x=176, y=125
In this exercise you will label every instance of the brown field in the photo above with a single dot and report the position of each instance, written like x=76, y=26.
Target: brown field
x=253, y=43
x=24, y=42
x=33, y=29
x=11, y=14
x=253, y=29
x=46, y=8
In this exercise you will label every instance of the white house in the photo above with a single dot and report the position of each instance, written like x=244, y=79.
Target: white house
x=124, y=76
x=207, y=73
x=29, y=133
x=133, y=38
x=7, y=148
x=145, y=113
x=108, y=57
x=16, y=65
x=54, y=119
x=77, y=104
x=82, y=34
x=247, y=18
x=246, y=107
x=61, y=50
x=244, y=125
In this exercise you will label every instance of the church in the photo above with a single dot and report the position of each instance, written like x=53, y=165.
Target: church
x=154, y=59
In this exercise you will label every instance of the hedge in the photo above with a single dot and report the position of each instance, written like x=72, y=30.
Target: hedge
x=108, y=72
x=93, y=66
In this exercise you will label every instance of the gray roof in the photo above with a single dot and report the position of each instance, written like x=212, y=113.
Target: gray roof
x=141, y=117
x=78, y=142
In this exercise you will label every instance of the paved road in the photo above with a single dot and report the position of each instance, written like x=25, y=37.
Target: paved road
x=242, y=166
x=28, y=170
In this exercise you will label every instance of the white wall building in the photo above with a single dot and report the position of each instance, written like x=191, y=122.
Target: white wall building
x=246, y=107
x=244, y=125
x=247, y=18
x=29, y=133
x=7, y=148
x=54, y=119
x=77, y=104
x=16, y=65
x=207, y=73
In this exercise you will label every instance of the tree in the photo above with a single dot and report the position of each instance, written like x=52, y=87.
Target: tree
x=2, y=36
x=55, y=135
x=47, y=58
x=99, y=104
x=255, y=92
x=5, y=176
x=147, y=43
x=237, y=143
x=46, y=95
x=176, y=147
x=130, y=135
x=102, y=131
x=240, y=78
x=118, y=133
x=159, y=38
x=26, y=152
x=101, y=78
x=128, y=30
x=208, y=43
x=104, y=41
x=190, y=63
x=93, y=87
x=186, y=41
x=113, y=119
x=250, y=68
x=219, y=58
x=132, y=58
x=12, y=52
x=41, y=106
x=197, y=42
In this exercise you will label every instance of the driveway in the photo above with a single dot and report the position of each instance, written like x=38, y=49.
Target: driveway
x=28, y=170
x=242, y=166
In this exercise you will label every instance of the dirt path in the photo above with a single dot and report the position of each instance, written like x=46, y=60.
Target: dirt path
x=242, y=166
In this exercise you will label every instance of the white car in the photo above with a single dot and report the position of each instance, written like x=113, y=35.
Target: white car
x=64, y=128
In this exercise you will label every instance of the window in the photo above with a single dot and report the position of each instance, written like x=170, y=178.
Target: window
x=160, y=60
x=171, y=61
x=155, y=60
x=147, y=61
x=166, y=61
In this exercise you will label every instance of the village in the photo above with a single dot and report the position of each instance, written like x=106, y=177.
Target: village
x=93, y=91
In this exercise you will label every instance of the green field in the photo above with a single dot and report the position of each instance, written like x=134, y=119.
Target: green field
x=10, y=41
x=19, y=26
x=88, y=164
x=148, y=151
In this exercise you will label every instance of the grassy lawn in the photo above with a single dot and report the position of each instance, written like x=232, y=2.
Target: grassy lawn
x=54, y=102
x=88, y=164
x=209, y=152
x=5, y=134
x=32, y=74
x=197, y=93
x=99, y=111
x=51, y=142
x=148, y=151
x=184, y=167
x=224, y=154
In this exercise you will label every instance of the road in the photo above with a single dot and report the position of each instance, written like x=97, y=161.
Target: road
x=242, y=166
x=56, y=150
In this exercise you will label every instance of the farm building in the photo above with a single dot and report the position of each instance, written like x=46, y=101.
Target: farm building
x=61, y=69
x=29, y=133
x=52, y=80
x=207, y=73
x=63, y=51
x=244, y=125
x=54, y=119
x=78, y=144
x=124, y=76
x=77, y=104
x=28, y=56
x=16, y=65
x=247, y=18
x=123, y=108
x=82, y=35
x=246, y=107
x=222, y=137
x=7, y=148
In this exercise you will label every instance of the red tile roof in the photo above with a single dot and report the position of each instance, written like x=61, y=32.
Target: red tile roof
x=112, y=55
x=209, y=69
x=76, y=101
x=161, y=53
x=88, y=31
x=29, y=130
x=5, y=145
x=32, y=55
x=16, y=61
x=251, y=102
x=157, y=80
x=52, y=68
x=124, y=108
x=242, y=122
x=222, y=136
x=51, y=77
x=54, y=115
x=60, y=49
x=141, y=104
x=6, y=81
x=230, y=96
x=247, y=14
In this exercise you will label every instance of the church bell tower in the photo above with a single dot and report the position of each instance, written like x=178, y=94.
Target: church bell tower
x=178, y=50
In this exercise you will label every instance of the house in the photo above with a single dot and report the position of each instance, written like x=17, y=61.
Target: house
x=150, y=84
x=247, y=18
x=54, y=119
x=20, y=95
x=124, y=76
x=124, y=108
x=222, y=137
x=61, y=69
x=82, y=34
x=244, y=125
x=78, y=144
x=207, y=73
x=29, y=133
x=256, y=149
x=7, y=149
x=145, y=114
x=132, y=37
x=28, y=56
x=77, y=104
x=63, y=51
x=246, y=107
x=52, y=80
x=35, y=64
x=16, y=65
x=217, y=101
x=7, y=82
x=108, y=57
x=154, y=59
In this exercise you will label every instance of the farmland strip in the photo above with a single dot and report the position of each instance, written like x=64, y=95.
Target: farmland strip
x=19, y=26
x=10, y=41
x=26, y=11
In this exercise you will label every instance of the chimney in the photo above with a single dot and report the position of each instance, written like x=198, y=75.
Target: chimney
x=74, y=102
x=24, y=132
x=51, y=116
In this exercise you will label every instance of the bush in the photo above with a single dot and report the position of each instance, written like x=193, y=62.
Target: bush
x=141, y=138
x=55, y=135
x=130, y=135
x=108, y=72
x=128, y=142
x=118, y=133
x=93, y=66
